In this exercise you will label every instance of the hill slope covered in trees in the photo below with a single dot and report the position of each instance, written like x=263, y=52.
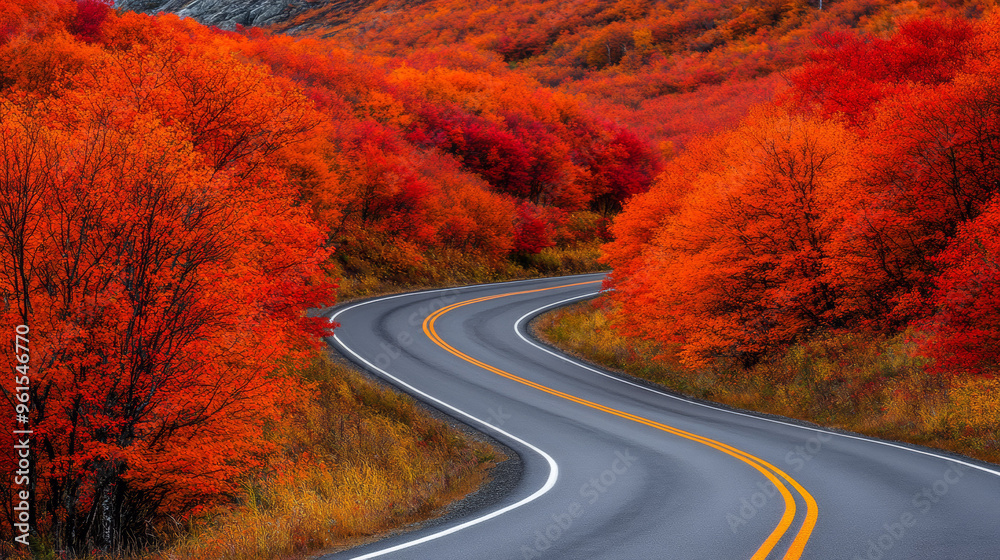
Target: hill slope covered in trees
x=858, y=212
x=669, y=70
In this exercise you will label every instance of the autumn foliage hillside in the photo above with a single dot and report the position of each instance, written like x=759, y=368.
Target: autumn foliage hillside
x=669, y=70
x=864, y=203
x=174, y=197
x=853, y=204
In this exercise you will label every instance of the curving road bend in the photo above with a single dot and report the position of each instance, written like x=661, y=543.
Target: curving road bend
x=615, y=469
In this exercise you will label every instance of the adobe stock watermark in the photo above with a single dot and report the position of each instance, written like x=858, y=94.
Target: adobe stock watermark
x=921, y=503
x=22, y=435
x=764, y=491
x=590, y=493
x=403, y=339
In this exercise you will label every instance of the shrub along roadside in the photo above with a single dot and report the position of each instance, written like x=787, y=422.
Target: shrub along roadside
x=355, y=460
x=864, y=384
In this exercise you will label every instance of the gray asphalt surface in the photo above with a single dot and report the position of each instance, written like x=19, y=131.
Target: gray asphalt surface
x=635, y=480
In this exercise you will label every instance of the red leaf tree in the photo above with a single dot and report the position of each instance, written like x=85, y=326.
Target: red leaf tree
x=163, y=272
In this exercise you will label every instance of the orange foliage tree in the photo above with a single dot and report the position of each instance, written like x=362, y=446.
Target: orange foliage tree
x=169, y=195
x=742, y=266
x=153, y=248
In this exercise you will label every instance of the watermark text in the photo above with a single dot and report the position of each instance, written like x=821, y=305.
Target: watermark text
x=22, y=434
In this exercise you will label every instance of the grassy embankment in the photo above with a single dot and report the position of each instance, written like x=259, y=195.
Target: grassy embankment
x=354, y=460
x=868, y=385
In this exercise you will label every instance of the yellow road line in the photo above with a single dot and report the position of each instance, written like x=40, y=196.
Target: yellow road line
x=767, y=469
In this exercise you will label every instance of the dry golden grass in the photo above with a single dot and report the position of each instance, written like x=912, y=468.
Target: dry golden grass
x=870, y=385
x=355, y=461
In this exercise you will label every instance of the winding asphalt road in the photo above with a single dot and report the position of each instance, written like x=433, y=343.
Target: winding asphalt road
x=615, y=469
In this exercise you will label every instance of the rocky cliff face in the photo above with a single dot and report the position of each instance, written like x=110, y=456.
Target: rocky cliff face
x=225, y=14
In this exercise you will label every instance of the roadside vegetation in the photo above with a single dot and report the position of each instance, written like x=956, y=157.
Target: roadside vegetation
x=868, y=384
x=348, y=460
x=354, y=460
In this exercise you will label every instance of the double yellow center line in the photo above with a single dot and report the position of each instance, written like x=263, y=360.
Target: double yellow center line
x=772, y=473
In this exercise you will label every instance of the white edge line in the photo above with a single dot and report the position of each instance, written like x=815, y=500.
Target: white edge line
x=517, y=330
x=553, y=466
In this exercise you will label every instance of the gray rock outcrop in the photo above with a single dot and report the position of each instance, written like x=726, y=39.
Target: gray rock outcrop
x=225, y=14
